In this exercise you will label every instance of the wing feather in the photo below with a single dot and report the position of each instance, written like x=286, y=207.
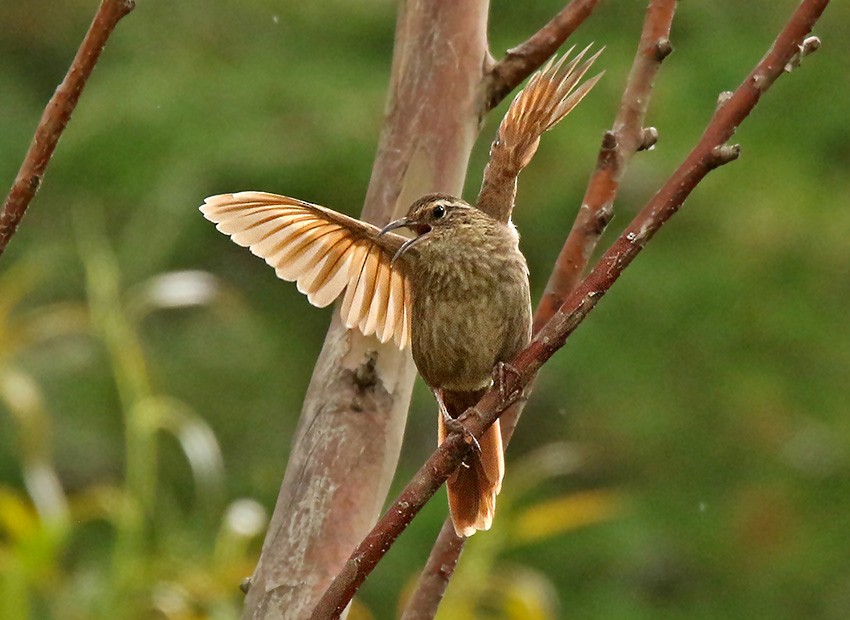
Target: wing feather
x=377, y=316
x=394, y=304
x=313, y=280
x=358, y=257
x=324, y=253
x=336, y=279
x=366, y=289
x=404, y=334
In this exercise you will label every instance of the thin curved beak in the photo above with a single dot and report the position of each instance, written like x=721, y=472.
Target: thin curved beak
x=399, y=223
x=404, y=248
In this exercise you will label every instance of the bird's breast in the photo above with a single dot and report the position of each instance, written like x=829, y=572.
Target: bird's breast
x=468, y=314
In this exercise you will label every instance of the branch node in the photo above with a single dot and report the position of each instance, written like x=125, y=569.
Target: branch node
x=761, y=81
x=723, y=154
x=609, y=141
x=640, y=237
x=808, y=46
x=723, y=97
x=604, y=215
x=648, y=138
x=662, y=49
x=607, y=158
x=245, y=585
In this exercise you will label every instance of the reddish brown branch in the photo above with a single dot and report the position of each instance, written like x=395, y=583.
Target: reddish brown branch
x=626, y=137
x=618, y=145
x=418, y=491
x=56, y=116
x=525, y=58
x=436, y=573
x=707, y=155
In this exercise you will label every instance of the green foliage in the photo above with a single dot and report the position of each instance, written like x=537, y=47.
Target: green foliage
x=151, y=372
x=143, y=566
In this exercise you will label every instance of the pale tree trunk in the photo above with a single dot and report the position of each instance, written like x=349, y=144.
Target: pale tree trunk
x=347, y=443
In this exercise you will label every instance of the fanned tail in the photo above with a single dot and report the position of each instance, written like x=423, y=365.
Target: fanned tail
x=551, y=94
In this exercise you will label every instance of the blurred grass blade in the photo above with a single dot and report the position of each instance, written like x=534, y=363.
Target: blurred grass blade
x=22, y=396
x=15, y=283
x=175, y=289
x=548, y=461
x=100, y=502
x=557, y=516
x=244, y=520
x=18, y=520
x=130, y=371
x=524, y=594
x=196, y=438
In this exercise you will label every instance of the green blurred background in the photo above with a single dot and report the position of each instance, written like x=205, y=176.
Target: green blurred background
x=686, y=455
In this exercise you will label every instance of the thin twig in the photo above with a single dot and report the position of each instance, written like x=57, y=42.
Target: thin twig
x=626, y=137
x=435, y=576
x=618, y=145
x=709, y=153
x=56, y=116
x=522, y=60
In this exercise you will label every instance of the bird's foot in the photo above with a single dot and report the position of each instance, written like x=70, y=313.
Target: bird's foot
x=453, y=425
x=499, y=378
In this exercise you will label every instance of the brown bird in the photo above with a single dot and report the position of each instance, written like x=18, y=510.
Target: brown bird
x=457, y=291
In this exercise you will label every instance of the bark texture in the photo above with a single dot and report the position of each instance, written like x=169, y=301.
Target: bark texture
x=349, y=436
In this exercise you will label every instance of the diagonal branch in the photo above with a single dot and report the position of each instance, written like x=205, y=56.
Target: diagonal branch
x=626, y=137
x=57, y=114
x=436, y=574
x=709, y=153
x=522, y=60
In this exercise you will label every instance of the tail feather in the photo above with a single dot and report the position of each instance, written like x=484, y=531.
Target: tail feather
x=551, y=94
x=472, y=489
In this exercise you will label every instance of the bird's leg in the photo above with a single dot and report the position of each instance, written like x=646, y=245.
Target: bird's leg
x=454, y=425
x=499, y=372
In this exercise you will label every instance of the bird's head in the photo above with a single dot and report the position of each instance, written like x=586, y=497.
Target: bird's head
x=434, y=216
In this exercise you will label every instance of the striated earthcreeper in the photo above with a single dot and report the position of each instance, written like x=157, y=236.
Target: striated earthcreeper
x=457, y=291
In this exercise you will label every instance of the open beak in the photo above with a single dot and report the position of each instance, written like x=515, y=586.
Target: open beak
x=403, y=223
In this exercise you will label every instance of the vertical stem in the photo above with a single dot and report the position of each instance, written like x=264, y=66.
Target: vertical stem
x=133, y=385
x=347, y=444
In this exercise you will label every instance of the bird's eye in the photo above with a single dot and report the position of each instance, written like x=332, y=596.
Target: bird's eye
x=438, y=212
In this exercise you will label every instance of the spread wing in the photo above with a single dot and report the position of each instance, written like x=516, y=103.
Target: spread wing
x=324, y=252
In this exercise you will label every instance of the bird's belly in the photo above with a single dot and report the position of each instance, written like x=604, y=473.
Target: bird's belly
x=457, y=340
